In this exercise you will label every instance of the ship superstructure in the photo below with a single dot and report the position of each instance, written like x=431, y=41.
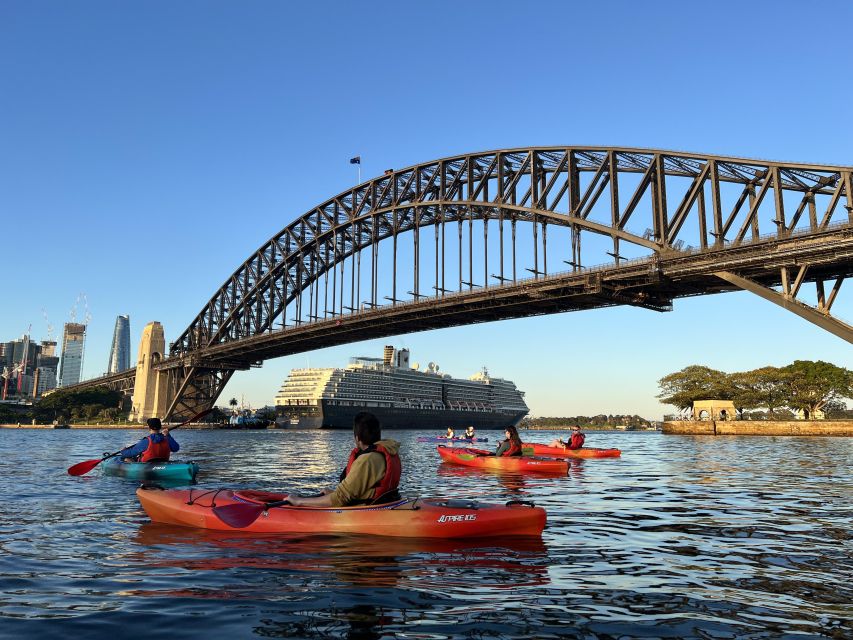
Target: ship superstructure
x=401, y=395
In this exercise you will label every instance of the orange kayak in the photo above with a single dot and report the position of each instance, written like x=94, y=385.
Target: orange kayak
x=538, y=449
x=418, y=518
x=487, y=460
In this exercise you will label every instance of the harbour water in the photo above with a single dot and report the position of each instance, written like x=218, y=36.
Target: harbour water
x=682, y=537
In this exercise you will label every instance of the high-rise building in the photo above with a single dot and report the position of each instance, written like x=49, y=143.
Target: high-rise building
x=120, y=352
x=71, y=366
x=47, y=364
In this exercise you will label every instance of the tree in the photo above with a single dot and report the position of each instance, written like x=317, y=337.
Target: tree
x=233, y=403
x=85, y=402
x=808, y=386
x=759, y=388
x=695, y=382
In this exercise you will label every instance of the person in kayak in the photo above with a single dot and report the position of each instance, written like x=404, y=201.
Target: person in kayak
x=372, y=474
x=157, y=446
x=512, y=445
x=469, y=432
x=574, y=442
x=449, y=435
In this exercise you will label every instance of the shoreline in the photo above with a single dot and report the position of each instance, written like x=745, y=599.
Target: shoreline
x=834, y=428
x=105, y=426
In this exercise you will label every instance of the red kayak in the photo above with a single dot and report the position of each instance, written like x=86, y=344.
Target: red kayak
x=539, y=449
x=487, y=460
x=417, y=518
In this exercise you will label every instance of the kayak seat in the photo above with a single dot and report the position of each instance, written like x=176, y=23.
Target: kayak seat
x=258, y=497
x=388, y=496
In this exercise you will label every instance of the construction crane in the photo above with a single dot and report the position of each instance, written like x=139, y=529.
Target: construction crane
x=87, y=317
x=22, y=366
x=49, y=326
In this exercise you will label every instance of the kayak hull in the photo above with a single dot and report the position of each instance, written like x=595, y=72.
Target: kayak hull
x=152, y=471
x=486, y=460
x=418, y=518
x=561, y=452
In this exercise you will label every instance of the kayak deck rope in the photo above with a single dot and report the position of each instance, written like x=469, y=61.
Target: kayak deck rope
x=193, y=500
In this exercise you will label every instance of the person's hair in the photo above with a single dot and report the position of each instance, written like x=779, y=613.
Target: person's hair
x=513, y=435
x=154, y=424
x=365, y=427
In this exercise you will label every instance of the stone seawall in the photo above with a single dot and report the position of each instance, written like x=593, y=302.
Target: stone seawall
x=760, y=427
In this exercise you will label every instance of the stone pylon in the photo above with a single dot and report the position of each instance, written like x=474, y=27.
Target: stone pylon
x=150, y=391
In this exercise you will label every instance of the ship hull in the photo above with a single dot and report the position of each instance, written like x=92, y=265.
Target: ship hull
x=341, y=417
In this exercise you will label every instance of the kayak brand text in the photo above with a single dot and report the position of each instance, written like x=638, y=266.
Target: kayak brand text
x=462, y=518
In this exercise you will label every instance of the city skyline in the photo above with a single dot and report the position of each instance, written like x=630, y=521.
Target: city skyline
x=199, y=154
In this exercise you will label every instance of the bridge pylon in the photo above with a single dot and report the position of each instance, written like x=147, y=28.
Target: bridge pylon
x=151, y=389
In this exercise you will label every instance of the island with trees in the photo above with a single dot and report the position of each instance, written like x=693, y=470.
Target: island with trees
x=804, y=397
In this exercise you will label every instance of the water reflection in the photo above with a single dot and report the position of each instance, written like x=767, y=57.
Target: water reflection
x=356, y=560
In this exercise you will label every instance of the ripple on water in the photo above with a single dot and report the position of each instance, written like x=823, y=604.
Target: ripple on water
x=681, y=537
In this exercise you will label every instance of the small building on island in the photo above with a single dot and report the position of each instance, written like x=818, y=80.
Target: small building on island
x=714, y=410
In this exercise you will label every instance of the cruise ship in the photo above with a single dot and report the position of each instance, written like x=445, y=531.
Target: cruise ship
x=402, y=396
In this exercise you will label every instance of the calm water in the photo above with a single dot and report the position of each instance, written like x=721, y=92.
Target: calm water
x=683, y=537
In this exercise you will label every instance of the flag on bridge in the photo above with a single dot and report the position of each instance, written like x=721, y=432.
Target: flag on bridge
x=356, y=160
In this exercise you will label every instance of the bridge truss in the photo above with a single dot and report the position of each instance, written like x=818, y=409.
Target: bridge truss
x=466, y=239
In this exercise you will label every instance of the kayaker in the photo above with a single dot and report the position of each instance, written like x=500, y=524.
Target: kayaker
x=574, y=442
x=469, y=432
x=449, y=435
x=155, y=447
x=512, y=445
x=372, y=472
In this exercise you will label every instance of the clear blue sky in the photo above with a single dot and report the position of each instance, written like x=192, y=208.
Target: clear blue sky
x=147, y=149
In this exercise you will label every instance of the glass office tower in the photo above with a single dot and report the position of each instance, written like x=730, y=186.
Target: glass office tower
x=120, y=352
x=71, y=366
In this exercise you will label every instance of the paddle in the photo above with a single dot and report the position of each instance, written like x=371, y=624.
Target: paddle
x=86, y=466
x=241, y=515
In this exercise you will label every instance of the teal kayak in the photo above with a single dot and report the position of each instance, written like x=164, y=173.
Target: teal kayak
x=147, y=471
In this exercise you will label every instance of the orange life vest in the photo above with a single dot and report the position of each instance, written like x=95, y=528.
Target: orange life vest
x=576, y=441
x=156, y=450
x=514, y=450
x=393, y=469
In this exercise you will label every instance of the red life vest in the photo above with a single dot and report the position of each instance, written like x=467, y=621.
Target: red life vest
x=393, y=469
x=514, y=450
x=156, y=450
x=576, y=441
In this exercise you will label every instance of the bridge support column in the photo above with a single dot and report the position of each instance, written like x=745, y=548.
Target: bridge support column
x=824, y=321
x=150, y=391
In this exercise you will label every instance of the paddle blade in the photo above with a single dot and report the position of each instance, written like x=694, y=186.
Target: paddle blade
x=83, y=467
x=239, y=515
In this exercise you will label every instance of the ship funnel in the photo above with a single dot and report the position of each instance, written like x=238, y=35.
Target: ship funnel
x=388, y=355
x=402, y=359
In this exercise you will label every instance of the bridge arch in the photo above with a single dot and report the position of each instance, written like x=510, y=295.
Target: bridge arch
x=538, y=186
x=634, y=226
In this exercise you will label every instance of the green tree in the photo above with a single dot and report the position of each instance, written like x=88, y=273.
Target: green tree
x=695, y=382
x=86, y=402
x=759, y=388
x=809, y=385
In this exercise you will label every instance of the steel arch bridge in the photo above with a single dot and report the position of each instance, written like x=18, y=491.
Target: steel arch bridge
x=464, y=239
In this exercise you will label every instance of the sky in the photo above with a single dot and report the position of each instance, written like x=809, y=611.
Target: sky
x=148, y=149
